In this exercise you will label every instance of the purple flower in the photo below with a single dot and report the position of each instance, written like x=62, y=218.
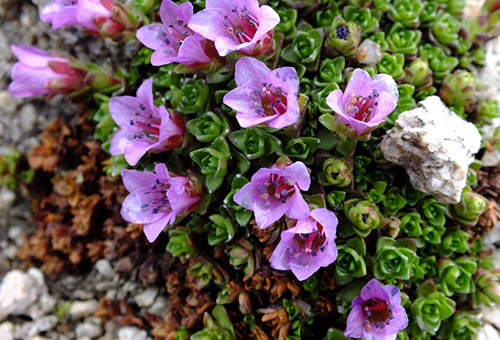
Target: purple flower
x=275, y=192
x=38, y=72
x=60, y=13
x=377, y=313
x=307, y=246
x=264, y=96
x=236, y=25
x=173, y=41
x=143, y=126
x=364, y=104
x=156, y=200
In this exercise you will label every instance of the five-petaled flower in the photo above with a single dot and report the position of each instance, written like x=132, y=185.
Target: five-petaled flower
x=274, y=192
x=307, y=246
x=174, y=41
x=377, y=313
x=264, y=96
x=143, y=125
x=60, y=13
x=38, y=72
x=156, y=200
x=236, y=25
x=364, y=104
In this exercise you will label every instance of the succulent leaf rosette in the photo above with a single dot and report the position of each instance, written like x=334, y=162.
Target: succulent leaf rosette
x=254, y=184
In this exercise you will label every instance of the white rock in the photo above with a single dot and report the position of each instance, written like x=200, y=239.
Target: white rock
x=19, y=291
x=435, y=146
x=16, y=234
x=28, y=118
x=369, y=52
x=132, y=333
x=492, y=316
x=46, y=323
x=7, y=198
x=160, y=307
x=80, y=309
x=147, y=297
x=6, y=331
x=487, y=332
x=472, y=8
x=88, y=330
x=104, y=268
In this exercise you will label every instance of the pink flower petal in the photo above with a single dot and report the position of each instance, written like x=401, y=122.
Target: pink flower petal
x=372, y=290
x=297, y=207
x=135, y=180
x=153, y=230
x=170, y=12
x=359, y=83
x=151, y=36
x=355, y=321
x=266, y=215
x=298, y=171
x=66, y=17
x=253, y=71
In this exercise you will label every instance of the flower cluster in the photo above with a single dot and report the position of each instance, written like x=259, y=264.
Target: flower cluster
x=248, y=135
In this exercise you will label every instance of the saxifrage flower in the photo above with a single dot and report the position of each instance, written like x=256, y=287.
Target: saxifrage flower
x=60, y=13
x=236, y=25
x=264, y=96
x=377, y=313
x=38, y=72
x=174, y=41
x=364, y=104
x=157, y=199
x=307, y=246
x=275, y=192
x=143, y=125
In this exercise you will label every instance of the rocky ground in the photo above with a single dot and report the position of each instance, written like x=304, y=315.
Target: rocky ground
x=66, y=307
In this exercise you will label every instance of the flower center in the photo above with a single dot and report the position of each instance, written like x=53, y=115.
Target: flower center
x=241, y=24
x=175, y=34
x=159, y=202
x=277, y=187
x=378, y=312
x=270, y=100
x=362, y=108
x=342, y=32
x=145, y=121
x=312, y=242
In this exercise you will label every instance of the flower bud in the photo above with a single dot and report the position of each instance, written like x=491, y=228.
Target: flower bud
x=470, y=207
x=343, y=38
x=337, y=171
x=364, y=215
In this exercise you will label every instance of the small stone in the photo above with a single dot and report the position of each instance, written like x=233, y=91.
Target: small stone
x=10, y=252
x=88, y=330
x=81, y=309
x=487, y=332
x=160, y=307
x=132, y=333
x=28, y=118
x=7, y=198
x=492, y=316
x=6, y=331
x=45, y=323
x=147, y=297
x=16, y=234
x=104, y=268
x=18, y=292
x=435, y=146
x=369, y=52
